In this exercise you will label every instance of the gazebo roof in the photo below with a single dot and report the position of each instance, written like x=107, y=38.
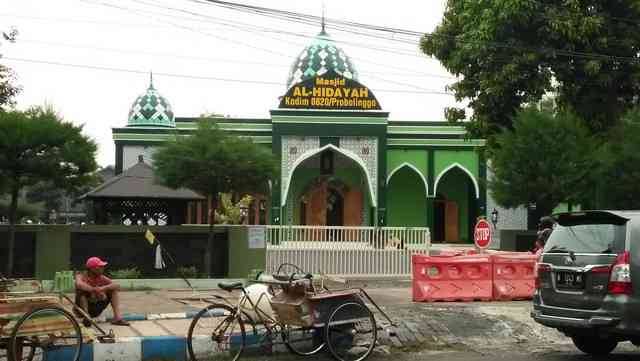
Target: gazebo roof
x=138, y=182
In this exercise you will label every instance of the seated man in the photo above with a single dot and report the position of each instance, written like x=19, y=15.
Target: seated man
x=95, y=291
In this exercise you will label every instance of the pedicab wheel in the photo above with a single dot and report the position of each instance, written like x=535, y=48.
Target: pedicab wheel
x=216, y=333
x=46, y=333
x=303, y=341
x=350, y=332
x=28, y=352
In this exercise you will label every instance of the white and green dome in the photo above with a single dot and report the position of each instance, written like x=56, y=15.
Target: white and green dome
x=319, y=57
x=151, y=109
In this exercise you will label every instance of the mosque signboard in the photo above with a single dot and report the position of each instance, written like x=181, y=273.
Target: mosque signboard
x=329, y=91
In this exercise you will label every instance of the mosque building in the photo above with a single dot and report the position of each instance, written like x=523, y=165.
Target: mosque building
x=342, y=161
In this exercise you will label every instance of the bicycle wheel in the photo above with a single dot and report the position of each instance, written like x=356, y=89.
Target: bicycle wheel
x=351, y=332
x=216, y=333
x=303, y=341
x=46, y=333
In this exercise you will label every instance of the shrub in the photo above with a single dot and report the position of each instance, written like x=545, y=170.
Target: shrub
x=126, y=273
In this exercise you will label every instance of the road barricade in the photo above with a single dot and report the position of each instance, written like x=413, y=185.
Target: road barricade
x=513, y=277
x=455, y=278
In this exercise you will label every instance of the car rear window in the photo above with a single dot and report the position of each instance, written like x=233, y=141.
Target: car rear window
x=587, y=238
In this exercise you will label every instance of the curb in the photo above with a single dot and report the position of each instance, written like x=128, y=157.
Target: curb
x=151, y=348
x=156, y=316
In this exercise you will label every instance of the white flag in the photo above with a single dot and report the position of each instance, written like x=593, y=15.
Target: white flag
x=159, y=260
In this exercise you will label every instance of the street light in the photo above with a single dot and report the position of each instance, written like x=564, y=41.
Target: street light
x=494, y=217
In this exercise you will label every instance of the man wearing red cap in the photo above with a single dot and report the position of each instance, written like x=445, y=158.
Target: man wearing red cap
x=95, y=291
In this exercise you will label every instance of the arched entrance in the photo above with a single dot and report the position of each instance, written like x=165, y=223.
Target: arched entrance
x=406, y=198
x=455, y=206
x=328, y=189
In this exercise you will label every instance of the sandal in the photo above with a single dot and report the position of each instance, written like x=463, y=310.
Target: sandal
x=120, y=322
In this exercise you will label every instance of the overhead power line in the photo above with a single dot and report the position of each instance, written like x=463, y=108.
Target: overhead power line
x=271, y=51
x=312, y=19
x=208, y=59
x=199, y=77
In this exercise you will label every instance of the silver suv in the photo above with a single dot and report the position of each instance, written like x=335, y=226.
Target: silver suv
x=588, y=279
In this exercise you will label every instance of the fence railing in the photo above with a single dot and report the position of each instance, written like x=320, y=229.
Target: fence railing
x=347, y=251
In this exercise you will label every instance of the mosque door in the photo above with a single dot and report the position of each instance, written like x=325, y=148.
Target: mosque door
x=335, y=208
x=353, y=207
x=438, y=216
x=451, y=227
x=316, y=212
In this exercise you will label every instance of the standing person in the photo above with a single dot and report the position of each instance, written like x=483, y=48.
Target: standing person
x=95, y=291
x=543, y=236
x=545, y=227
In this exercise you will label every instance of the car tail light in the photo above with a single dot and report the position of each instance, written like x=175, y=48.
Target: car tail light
x=540, y=267
x=620, y=279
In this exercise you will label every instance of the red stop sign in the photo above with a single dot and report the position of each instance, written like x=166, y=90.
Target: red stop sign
x=482, y=234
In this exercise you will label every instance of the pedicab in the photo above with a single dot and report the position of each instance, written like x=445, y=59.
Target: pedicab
x=36, y=326
x=289, y=309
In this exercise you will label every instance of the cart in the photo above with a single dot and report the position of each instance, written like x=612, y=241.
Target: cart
x=36, y=327
x=303, y=315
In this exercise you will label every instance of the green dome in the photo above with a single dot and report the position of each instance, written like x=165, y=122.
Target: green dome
x=318, y=58
x=151, y=109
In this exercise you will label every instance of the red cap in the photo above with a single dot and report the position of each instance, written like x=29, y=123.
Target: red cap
x=95, y=262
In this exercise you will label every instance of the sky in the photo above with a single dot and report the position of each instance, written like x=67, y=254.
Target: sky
x=206, y=58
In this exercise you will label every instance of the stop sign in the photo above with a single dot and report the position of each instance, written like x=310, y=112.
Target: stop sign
x=482, y=234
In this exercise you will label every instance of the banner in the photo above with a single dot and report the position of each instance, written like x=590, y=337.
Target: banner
x=329, y=91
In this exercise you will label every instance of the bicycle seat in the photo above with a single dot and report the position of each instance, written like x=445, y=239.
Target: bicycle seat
x=230, y=286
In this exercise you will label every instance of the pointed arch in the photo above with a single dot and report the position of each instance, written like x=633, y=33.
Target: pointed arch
x=462, y=168
x=412, y=167
x=310, y=153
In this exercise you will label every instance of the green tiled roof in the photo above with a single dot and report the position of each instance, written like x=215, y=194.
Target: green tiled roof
x=318, y=58
x=151, y=109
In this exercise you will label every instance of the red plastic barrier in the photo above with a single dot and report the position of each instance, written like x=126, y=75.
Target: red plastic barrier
x=457, y=278
x=513, y=277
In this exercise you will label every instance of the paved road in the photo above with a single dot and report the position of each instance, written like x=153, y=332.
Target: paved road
x=455, y=331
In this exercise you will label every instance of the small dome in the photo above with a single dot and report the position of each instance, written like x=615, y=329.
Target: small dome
x=318, y=58
x=151, y=109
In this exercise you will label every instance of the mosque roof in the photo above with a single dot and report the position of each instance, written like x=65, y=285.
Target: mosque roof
x=319, y=57
x=151, y=109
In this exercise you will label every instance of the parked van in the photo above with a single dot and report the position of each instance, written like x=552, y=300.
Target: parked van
x=588, y=279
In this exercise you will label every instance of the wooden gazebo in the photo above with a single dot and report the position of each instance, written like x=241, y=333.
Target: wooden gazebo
x=134, y=197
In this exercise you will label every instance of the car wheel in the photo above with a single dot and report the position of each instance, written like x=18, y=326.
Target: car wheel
x=594, y=345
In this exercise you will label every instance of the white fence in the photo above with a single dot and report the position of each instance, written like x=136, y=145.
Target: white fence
x=347, y=251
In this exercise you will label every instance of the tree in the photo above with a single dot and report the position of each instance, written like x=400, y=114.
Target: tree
x=619, y=173
x=230, y=212
x=511, y=52
x=8, y=91
x=211, y=162
x=38, y=145
x=546, y=159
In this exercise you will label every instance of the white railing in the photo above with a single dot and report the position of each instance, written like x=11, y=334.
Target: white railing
x=347, y=251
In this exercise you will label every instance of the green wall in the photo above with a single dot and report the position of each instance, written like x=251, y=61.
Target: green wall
x=417, y=158
x=53, y=244
x=406, y=200
x=242, y=259
x=466, y=158
x=53, y=251
x=454, y=187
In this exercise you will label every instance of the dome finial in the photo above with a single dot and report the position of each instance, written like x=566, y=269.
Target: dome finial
x=151, y=79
